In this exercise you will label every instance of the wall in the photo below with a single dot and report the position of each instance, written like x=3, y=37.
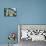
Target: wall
x=28, y=12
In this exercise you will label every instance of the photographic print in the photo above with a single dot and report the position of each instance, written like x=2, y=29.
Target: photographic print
x=9, y=11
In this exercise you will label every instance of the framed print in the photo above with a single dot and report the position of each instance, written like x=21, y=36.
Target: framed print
x=9, y=11
x=32, y=32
